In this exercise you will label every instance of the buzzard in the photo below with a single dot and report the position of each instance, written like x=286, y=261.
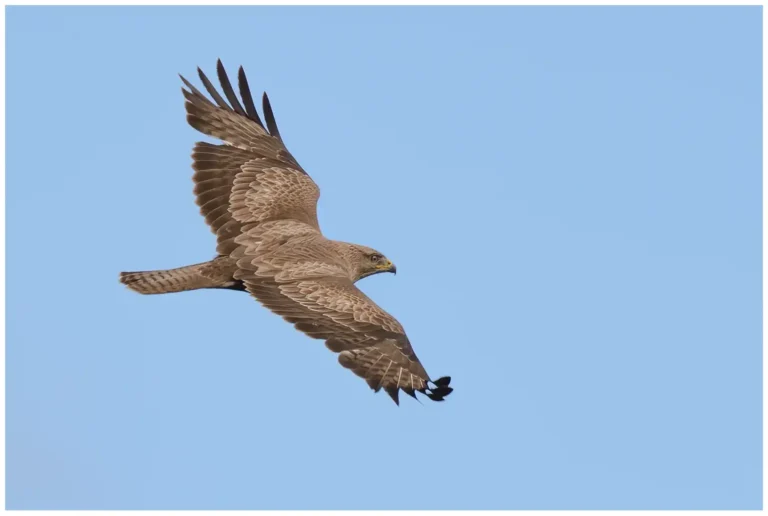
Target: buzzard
x=262, y=206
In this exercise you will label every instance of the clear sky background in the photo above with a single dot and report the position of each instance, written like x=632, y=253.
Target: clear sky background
x=572, y=197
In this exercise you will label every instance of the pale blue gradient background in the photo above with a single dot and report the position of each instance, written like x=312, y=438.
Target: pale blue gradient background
x=572, y=197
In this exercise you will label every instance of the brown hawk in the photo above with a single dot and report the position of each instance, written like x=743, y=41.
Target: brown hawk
x=262, y=205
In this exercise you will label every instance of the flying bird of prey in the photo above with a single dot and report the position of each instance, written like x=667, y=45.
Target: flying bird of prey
x=262, y=206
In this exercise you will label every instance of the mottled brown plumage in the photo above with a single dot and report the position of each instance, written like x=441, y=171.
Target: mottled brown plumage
x=262, y=207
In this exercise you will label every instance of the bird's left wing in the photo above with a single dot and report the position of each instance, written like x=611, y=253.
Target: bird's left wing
x=252, y=177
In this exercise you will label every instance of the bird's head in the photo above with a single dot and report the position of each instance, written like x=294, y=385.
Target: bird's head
x=366, y=261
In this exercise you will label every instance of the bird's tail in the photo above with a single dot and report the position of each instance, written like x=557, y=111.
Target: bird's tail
x=191, y=277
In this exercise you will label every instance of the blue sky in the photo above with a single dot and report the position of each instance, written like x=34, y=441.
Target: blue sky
x=572, y=197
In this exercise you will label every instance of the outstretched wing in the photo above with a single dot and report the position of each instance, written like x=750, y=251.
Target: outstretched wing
x=369, y=341
x=253, y=173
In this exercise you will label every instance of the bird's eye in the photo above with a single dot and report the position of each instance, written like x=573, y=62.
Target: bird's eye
x=375, y=257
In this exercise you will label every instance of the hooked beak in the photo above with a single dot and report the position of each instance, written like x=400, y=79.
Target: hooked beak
x=388, y=267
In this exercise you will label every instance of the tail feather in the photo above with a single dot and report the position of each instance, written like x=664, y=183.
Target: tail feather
x=191, y=277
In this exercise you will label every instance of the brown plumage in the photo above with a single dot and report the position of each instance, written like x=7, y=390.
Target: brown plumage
x=218, y=273
x=262, y=207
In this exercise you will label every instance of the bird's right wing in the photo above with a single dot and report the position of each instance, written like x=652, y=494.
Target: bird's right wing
x=252, y=178
x=369, y=341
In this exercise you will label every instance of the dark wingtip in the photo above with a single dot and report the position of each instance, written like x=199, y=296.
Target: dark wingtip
x=436, y=393
x=270, y=117
x=186, y=82
x=226, y=86
x=245, y=93
x=440, y=389
x=394, y=394
x=443, y=381
x=212, y=90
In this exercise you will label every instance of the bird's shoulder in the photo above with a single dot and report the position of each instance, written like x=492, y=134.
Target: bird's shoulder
x=288, y=250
